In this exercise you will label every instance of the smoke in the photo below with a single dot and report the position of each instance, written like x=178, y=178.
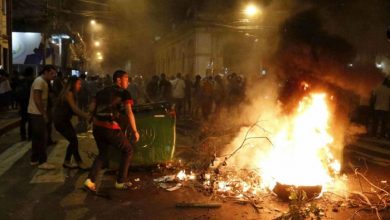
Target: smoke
x=320, y=45
x=308, y=50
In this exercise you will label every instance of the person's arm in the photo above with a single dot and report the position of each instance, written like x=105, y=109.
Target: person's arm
x=37, y=97
x=92, y=109
x=130, y=115
x=72, y=103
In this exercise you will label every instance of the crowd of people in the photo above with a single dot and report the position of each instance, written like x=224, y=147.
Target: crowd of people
x=198, y=97
x=53, y=99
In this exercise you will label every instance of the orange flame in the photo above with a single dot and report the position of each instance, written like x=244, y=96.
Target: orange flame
x=300, y=154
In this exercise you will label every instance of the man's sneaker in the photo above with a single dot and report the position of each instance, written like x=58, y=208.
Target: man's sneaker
x=69, y=165
x=123, y=186
x=90, y=186
x=46, y=166
x=34, y=163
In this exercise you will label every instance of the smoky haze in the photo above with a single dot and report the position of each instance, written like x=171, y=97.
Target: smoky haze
x=132, y=29
x=334, y=44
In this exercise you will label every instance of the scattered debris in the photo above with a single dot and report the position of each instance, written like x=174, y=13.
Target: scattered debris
x=165, y=179
x=178, y=186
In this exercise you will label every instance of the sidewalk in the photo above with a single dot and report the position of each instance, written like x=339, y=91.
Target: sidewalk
x=372, y=149
x=9, y=120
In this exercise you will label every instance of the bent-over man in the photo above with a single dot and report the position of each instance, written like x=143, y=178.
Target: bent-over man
x=110, y=103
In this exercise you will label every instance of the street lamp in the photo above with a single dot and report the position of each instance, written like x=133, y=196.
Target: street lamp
x=251, y=10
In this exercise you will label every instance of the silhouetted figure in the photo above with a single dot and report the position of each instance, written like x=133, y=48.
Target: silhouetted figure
x=22, y=96
x=381, y=109
x=64, y=109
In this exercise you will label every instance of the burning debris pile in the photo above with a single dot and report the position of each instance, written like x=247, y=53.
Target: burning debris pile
x=293, y=160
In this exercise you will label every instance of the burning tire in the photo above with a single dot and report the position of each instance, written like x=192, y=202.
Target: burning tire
x=283, y=191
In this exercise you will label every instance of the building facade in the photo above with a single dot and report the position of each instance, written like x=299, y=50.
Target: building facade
x=5, y=36
x=207, y=49
x=193, y=49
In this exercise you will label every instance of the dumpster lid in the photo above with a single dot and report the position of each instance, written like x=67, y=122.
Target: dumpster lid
x=152, y=106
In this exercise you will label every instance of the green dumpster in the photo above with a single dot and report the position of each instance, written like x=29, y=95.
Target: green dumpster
x=156, y=124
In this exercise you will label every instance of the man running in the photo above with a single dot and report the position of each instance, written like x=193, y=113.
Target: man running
x=110, y=103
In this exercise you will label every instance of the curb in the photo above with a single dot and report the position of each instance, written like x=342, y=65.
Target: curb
x=9, y=126
x=377, y=152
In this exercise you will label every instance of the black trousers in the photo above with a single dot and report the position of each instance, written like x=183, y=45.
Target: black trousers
x=39, y=139
x=25, y=119
x=106, y=138
x=65, y=128
x=380, y=121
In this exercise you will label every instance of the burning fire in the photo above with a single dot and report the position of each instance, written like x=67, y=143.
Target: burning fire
x=300, y=155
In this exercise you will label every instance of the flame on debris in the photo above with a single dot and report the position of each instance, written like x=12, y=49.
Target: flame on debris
x=300, y=154
x=181, y=175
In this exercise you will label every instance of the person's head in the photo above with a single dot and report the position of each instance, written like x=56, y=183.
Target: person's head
x=83, y=76
x=28, y=72
x=48, y=72
x=155, y=78
x=163, y=76
x=121, y=79
x=3, y=73
x=73, y=84
x=198, y=77
x=178, y=75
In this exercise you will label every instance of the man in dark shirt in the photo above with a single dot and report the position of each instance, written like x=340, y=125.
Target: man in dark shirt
x=110, y=103
x=165, y=88
x=22, y=96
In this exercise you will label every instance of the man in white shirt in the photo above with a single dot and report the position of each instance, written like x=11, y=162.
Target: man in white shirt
x=178, y=92
x=381, y=107
x=37, y=108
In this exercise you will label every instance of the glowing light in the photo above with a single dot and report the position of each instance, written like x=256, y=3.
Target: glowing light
x=99, y=53
x=93, y=22
x=251, y=10
x=305, y=85
x=300, y=155
x=97, y=43
x=223, y=186
x=379, y=65
x=181, y=175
